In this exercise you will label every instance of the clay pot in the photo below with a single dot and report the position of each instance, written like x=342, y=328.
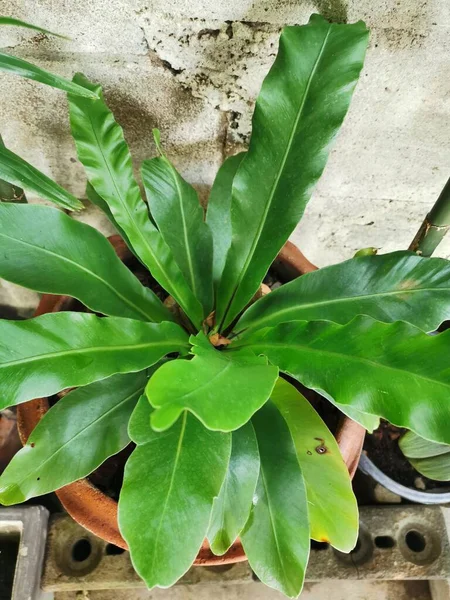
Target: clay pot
x=97, y=512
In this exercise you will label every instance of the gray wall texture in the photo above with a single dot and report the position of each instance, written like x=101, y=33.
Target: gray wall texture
x=193, y=69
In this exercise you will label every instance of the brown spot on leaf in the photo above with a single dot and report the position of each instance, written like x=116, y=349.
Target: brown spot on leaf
x=321, y=448
x=32, y=445
x=309, y=452
x=408, y=284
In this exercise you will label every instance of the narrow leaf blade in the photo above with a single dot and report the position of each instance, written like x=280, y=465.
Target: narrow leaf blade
x=276, y=536
x=231, y=508
x=71, y=259
x=169, y=485
x=298, y=113
x=17, y=171
x=95, y=421
x=47, y=354
x=19, y=23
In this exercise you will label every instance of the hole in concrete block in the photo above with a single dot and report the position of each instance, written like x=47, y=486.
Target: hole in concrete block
x=361, y=553
x=81, y=550
x=384, y=541
x=415, y=541
x=319, y=545
x=112, y=550
x=9, y=548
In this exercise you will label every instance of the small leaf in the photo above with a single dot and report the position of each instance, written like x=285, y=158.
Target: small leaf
x=73, y=259
x=102, y=150
x=333, y=511
x=218, y=214
x=44, y=355
x=394, y=371
x=169, y=486
x=212, y=386
x=428, y=458
x=19, y=23
x=17, y=171
x=18, y=66
x=276, y=536
x=392, y=287
x=232, y=506
x=176, y=209
x=298, y=113
x=76, y=435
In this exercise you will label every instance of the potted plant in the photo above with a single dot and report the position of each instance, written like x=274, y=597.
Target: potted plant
x=226, y=447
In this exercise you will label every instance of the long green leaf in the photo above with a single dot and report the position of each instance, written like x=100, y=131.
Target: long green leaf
x=9, y=192
x=393, y=287
x=232, y=506
x=218, y=213
x=333, y=511
x=102, y=149
x=45, y=355
x=428, y=458
x=45, y=250
x=169, y=486
x=276, y=536
x=19, y=23
x=18, y=66
x=222, y=390
x=394, y=371
x=76, y=435
x=17, y=171
x=176, y=209
x=299, y=110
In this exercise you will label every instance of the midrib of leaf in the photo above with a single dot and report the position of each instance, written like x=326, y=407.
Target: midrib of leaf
x=39, y=357
x=91, y=424
x=77, y=265
x=277, y=179
x=171, y=483
x=222, y=512
x=342, y=300
x=207, y=383
x=183, y=218
x=352, y=358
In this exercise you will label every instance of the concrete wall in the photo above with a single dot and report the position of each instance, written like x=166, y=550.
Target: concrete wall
x=193, y=68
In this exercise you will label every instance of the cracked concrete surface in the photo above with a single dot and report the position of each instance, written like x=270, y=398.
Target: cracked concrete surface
x=194, y=67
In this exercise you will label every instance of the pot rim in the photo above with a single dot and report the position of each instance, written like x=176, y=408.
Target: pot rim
x=96, y=511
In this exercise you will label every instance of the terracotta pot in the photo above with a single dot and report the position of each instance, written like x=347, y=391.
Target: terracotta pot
x=97, y=512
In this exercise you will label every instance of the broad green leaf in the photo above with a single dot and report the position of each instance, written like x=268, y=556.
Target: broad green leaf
x=392, y=287
x=102, y=149
x=170, y=482
x=429, y=458
x=18, y=66
x=276, y=536
x=222, y=390
x=394, y=371
x=298, y=112
x=231, y=508
x=73, y=259
x=218, y=215
x=175, y=207
x=332, y=507
x=47, y=354
x=17, y=171
x=76, y=435
x=19, y=23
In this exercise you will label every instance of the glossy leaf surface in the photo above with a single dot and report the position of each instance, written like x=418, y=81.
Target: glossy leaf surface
x=47, y=354
x=392, y=287
x=218, y=214
x=429, y=458
x=169, y=485
x=18, y=66
x=222, y=390
x=19, y=23
x=231, y=508
x=394, y=371
x=76, y=435
x=332, y=507
x=17, y=171
x=102, y=149
x=298, y=112
x=276, y=536
x=45, y=250
x=176, y=209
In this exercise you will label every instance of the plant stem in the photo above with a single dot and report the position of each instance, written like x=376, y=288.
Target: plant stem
x=9, y=192
x=435, y=225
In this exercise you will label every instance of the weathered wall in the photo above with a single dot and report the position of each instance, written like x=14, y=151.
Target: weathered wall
x=193, y=68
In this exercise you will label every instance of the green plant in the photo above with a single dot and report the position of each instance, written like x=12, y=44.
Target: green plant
x=225, y=445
